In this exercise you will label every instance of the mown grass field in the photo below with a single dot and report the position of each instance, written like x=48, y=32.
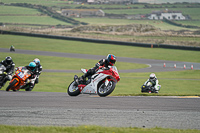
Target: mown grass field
x=173, y=83
x=157, y=23
x=17, y=10
x=12, y=10
x=31, y=20
x=13, y=14
x=194, y=23
x=42, y=44
x=40, y=2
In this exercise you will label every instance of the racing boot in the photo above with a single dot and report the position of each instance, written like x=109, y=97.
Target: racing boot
x=2, y=85
x=81, y=80
x=76, y=79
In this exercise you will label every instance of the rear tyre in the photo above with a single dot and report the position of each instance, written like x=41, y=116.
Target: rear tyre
x=11, y=85
x=29, y=89
x=103, y=90
x=73, y=89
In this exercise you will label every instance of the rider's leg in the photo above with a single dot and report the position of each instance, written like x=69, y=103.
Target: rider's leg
x=83, y=77
x=7, y=78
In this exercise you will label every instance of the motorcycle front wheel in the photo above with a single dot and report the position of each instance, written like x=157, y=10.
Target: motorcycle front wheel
x=11, y=85
x=73, y=90
x=103, y=90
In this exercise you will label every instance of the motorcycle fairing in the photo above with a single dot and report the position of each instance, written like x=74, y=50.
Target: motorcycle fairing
x=20, y=75
x=92, y=86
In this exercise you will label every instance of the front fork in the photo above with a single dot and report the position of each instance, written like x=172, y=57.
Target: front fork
x=106, y=82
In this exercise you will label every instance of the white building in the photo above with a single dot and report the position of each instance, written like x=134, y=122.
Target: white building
x=170, y=15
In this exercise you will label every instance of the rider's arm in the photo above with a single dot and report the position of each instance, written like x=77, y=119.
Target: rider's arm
x=100, y=63
x=157, y=82
x=12, y=69
x=145, y=83
x=40, y=69
x=2, y=62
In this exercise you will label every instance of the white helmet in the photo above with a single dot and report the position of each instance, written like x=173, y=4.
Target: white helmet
x=37, y=61
x=152, y=76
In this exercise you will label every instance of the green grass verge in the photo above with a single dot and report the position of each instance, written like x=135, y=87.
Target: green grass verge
x=90, y=129
x=180, y=83
x=60, y=63
x=173, y=83
x=55, y=45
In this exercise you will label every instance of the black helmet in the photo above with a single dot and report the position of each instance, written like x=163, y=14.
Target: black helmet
x=8, y=60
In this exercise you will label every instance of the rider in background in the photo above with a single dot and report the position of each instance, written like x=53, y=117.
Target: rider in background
x=153, y=79
x=9, y=65
x=109, y=61
x=12, y=48
x=32, y=68
x=38, y=69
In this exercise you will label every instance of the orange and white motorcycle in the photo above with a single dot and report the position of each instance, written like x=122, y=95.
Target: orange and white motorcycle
x=103, y=83
x=19, y=79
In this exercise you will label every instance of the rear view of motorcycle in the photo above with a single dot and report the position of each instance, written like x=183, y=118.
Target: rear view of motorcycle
x=102, y=83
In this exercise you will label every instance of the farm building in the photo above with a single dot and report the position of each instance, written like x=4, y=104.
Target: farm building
x=82, y=12
x=170, y=15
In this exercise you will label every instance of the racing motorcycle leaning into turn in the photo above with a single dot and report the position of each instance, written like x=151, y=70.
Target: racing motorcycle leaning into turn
x=149, y=88
x=19, y=79
x=103, y=82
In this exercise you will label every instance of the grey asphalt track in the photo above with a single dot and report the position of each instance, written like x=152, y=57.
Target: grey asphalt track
x=59, y=109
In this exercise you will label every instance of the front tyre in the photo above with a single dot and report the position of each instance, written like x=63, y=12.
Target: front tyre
x=11, y=85
x=103, y=90
x=73, y=89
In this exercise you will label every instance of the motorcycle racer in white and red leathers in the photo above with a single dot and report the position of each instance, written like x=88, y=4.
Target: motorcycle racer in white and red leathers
x=109, y=61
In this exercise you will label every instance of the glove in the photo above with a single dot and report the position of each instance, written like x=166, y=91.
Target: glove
x=28, y=81
x=5, y=73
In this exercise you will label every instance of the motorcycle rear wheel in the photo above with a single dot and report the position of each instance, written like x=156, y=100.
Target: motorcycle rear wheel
x=73, y=90
x=102, y=91
x=11, y=85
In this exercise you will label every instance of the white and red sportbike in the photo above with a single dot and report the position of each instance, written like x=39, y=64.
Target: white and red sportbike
x=103, y=83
